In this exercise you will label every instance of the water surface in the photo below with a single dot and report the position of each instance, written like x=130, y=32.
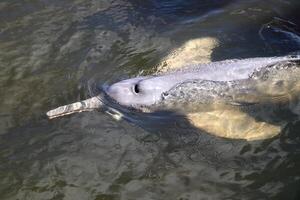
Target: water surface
x=51, y=51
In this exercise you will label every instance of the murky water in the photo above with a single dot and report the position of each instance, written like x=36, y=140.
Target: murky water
x=51, y=51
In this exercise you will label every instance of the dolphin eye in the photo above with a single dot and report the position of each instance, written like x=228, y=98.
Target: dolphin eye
x=136, y=88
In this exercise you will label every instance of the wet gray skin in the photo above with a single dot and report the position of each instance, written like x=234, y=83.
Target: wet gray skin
x=196, y=87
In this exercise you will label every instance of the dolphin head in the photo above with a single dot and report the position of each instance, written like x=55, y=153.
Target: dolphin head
x=139, y=92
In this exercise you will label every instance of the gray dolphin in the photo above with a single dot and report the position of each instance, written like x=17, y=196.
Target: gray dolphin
x=231, y=82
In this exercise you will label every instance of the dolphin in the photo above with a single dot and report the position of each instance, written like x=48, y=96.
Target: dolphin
x=233, y=82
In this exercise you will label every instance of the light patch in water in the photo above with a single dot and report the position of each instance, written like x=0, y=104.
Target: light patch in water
x=115, y=114
x=233, y=124
x=194, y=51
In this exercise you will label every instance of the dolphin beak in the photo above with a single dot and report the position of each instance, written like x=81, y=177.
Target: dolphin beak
x=81, y=106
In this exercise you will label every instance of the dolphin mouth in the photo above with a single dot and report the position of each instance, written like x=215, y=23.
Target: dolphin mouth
x=77, y=107
x=99, y=101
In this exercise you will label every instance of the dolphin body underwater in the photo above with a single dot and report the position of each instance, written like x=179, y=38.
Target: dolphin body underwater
x=200, y=87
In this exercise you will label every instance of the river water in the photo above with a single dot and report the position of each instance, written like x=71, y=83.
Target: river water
x=51, y=51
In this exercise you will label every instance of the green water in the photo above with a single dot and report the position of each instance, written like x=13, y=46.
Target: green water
x=50, y=51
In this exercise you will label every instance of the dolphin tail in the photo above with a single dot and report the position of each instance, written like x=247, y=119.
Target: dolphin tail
x=81, y=106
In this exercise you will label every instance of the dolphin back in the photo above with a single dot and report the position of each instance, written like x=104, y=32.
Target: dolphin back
x=232, y=69
x=274, y=83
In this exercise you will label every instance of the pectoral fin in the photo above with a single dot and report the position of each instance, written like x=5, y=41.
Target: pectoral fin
x=233, y=124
